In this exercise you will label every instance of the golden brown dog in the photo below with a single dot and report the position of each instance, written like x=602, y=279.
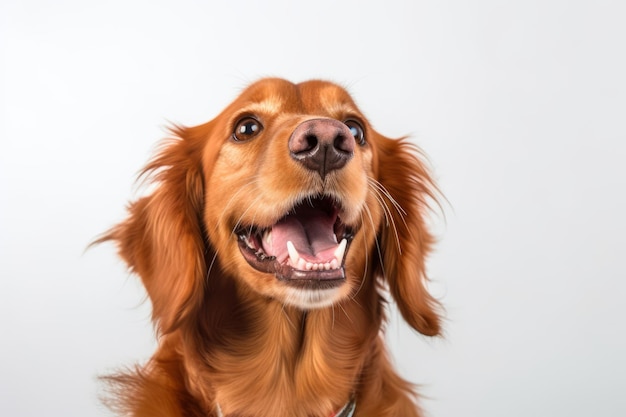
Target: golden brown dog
x=265, y=247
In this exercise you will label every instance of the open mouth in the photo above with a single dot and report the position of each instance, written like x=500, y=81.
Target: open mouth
x=306, y=248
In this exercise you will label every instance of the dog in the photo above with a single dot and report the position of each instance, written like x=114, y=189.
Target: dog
x=268, y=246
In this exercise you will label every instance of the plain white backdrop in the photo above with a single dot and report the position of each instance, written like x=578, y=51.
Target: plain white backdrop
x=520, y=105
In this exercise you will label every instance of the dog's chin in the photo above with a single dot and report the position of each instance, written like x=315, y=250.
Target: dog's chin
x=311, y=299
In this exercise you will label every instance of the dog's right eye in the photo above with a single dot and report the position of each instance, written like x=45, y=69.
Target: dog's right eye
x=246, y=129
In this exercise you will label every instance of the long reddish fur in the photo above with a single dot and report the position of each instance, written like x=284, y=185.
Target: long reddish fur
x=267, y=358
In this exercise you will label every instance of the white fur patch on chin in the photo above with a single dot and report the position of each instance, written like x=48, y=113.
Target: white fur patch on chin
x=312, y=299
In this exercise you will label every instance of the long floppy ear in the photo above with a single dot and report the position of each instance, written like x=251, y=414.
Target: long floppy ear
x=404, y=238
x=162, y=240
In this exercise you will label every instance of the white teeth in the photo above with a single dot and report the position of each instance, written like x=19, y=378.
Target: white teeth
x=293, y=253
x=310, y=266
x=341, y=250
x=267, y=238
x=301, y=264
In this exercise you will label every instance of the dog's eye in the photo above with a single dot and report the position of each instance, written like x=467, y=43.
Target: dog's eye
x=246, y=129
x=357, y=131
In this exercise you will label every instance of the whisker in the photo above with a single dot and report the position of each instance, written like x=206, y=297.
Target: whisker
x=345, y=313
x=366, y=263
x=227, y=208
x=210, y=268
x=379, y=200
x=382, y=188
x=377, y=243
x=291, y=323
x=238, y=223
x=256, y=206
x=387, y=210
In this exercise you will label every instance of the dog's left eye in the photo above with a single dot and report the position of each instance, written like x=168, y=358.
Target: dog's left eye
x=246, y=129
x=357, y=131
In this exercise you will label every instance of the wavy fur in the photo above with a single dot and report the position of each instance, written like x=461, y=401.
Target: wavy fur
x=229, y=334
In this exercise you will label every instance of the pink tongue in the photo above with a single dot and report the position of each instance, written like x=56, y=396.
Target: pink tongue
x=310, y=231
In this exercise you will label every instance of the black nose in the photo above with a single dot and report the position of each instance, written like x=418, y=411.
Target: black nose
x=322, y=145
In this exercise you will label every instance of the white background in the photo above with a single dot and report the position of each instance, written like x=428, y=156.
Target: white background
x=521, y=106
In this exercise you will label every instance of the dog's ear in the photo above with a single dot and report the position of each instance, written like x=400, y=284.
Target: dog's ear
x=404, y=238
x=163, y=240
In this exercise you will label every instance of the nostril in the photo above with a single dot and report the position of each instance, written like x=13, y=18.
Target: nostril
x=311, y=142
x=344, y=144
x=303, y=143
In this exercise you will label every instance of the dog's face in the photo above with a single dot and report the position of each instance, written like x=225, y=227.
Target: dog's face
x=293, y=195
x=288, y=192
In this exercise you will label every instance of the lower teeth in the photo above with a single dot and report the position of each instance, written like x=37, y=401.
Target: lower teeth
x=298, y=263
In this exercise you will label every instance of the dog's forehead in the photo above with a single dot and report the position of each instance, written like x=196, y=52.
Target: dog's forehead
x=326, y=95
x=277, y=95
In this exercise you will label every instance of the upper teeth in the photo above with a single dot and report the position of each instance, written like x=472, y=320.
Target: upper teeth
x=267, y=239
x=299, y=263
x=341, y=249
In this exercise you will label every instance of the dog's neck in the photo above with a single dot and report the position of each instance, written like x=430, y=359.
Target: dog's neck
x=267, y=359
x=346, y=411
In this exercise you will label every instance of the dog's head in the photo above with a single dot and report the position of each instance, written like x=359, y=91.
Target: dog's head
x=291, y=193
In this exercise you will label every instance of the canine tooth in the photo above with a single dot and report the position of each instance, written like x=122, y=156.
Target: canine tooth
x=334, y=264
x=293, y=253
x=341, y=250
